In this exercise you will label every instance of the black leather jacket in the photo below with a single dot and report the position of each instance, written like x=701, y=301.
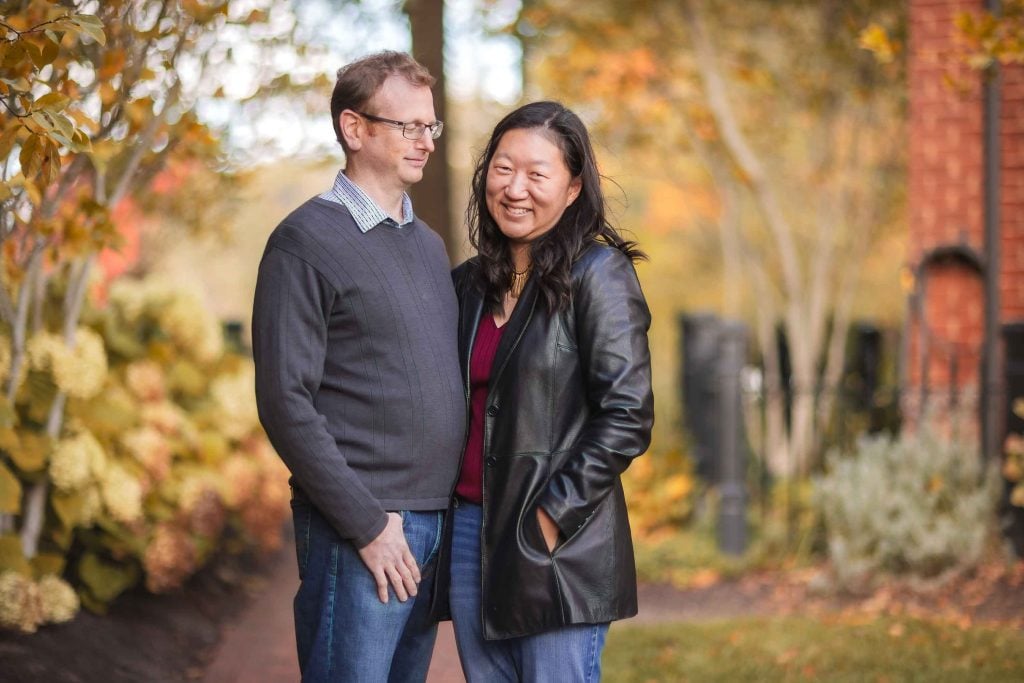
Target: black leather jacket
x=569, y=407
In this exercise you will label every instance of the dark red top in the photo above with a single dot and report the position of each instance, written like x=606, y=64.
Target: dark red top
x=488, y=335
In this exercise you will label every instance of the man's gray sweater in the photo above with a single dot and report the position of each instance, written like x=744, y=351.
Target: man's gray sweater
x=357, y=372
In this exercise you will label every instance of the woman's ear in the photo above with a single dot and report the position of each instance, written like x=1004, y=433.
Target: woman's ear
x=351, y=125
x=575, y=185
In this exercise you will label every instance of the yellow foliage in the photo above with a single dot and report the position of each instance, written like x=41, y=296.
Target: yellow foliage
x=875, y=39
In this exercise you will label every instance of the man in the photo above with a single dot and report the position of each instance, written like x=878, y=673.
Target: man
x=358, y=384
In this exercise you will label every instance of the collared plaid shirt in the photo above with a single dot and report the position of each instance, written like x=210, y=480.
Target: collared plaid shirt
x=364, y=210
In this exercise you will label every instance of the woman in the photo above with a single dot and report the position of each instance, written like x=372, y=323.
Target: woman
x=553, y=344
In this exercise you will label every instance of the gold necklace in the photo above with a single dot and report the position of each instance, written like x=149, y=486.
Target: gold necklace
x=519, y=281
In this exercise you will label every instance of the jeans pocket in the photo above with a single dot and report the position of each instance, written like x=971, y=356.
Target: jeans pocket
x=302, y=519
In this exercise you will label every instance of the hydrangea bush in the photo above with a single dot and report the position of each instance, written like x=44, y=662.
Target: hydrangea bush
x=919, y=505
x=161, y=461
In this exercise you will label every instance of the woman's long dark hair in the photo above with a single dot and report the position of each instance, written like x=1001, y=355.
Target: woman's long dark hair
x=583, y=221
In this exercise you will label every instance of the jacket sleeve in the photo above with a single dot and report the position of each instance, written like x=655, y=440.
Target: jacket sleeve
x=612, y=320
x=289, y=334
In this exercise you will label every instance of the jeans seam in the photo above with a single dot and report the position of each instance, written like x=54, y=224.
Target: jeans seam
x=593, y=652
x=305, y=549
x=437, y=537
x=330, y=609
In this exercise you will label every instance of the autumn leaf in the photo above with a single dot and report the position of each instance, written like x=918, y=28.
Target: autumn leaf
x=53, y=101
x=31, y=157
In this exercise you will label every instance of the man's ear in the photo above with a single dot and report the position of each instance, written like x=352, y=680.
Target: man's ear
x=352, y=128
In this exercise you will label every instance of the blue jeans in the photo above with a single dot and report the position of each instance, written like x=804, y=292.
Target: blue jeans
x=342, y=629
x=565, y=655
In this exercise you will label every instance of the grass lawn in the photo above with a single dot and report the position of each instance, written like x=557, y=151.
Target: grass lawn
x=839, y=648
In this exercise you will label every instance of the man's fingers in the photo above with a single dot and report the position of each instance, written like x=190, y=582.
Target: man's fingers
x=397, y=583
x=410, y=562
x=382, y=585
x=408, y=580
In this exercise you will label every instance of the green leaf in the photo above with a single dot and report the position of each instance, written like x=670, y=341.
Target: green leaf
x=10, y=491
x=68, y=506
x=60, y=536
x=91, y=26
x=82, y=139
x=63, y=124
x=11, y=556
x=48, y=563
x=42, y=119
x=106, y=580
x=30, y=454
x=8, y=415
x=53, y=101
x=92, y=604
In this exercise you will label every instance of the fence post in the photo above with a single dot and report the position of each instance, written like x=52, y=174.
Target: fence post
x=700, y=334
x=732, y=515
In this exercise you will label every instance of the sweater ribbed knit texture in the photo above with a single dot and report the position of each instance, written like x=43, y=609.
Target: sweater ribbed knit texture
x=357, y=373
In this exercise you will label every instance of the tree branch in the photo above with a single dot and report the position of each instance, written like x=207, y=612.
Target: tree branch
x=742, y=153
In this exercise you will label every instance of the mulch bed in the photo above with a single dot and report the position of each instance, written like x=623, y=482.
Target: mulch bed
x=992, y=593
x=144, y=637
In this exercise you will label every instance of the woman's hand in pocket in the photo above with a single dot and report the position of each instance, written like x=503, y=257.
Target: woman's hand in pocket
x=548, y=528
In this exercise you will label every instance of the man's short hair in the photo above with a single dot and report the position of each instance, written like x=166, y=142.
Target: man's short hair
x=359, y=81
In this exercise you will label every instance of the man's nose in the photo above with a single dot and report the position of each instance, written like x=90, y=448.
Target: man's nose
x=426, y=142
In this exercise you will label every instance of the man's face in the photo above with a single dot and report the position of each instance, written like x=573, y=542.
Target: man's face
x=395, y=160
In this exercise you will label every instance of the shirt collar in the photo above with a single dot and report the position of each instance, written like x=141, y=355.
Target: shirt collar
x=366, y=212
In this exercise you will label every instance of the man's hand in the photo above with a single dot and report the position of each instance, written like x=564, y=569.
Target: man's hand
x=389, y=559
x=548, y=528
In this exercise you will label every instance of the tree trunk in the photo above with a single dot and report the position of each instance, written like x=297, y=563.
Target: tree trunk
x=431, y=196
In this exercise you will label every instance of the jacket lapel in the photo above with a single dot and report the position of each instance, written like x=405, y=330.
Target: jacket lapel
x=514, y=328
x=469, y=323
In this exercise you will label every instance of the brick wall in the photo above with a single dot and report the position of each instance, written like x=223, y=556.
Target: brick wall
x=945, y=202
x=1012, y=190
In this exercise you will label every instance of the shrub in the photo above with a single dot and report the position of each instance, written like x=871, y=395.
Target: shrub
x=918, y=506
x=160, y=464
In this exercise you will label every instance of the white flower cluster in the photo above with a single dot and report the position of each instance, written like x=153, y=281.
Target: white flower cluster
x=122, y=494
x=170, y=558
x=192, y=327
x=145, y=379
x=26, y=604
x=150, y=449
x=80, y=370
x=76, y=461
x=179, y=313
x=235, y=398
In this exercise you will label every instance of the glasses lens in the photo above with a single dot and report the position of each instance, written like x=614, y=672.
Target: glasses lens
x=414, y=131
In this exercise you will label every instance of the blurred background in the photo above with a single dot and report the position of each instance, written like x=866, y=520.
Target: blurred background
x=831, y=194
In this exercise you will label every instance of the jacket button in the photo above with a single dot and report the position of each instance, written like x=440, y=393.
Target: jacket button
x=491, y=461
x=492, y=410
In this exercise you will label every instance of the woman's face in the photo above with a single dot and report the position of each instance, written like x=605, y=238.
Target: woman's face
x=528, y=185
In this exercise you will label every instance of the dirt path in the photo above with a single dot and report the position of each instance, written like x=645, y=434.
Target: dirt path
x=260, y=645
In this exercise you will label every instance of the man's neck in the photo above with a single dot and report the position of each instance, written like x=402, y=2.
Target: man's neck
x=387, y=198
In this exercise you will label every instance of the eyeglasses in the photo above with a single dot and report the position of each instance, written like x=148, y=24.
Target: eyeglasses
x=410, y=131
